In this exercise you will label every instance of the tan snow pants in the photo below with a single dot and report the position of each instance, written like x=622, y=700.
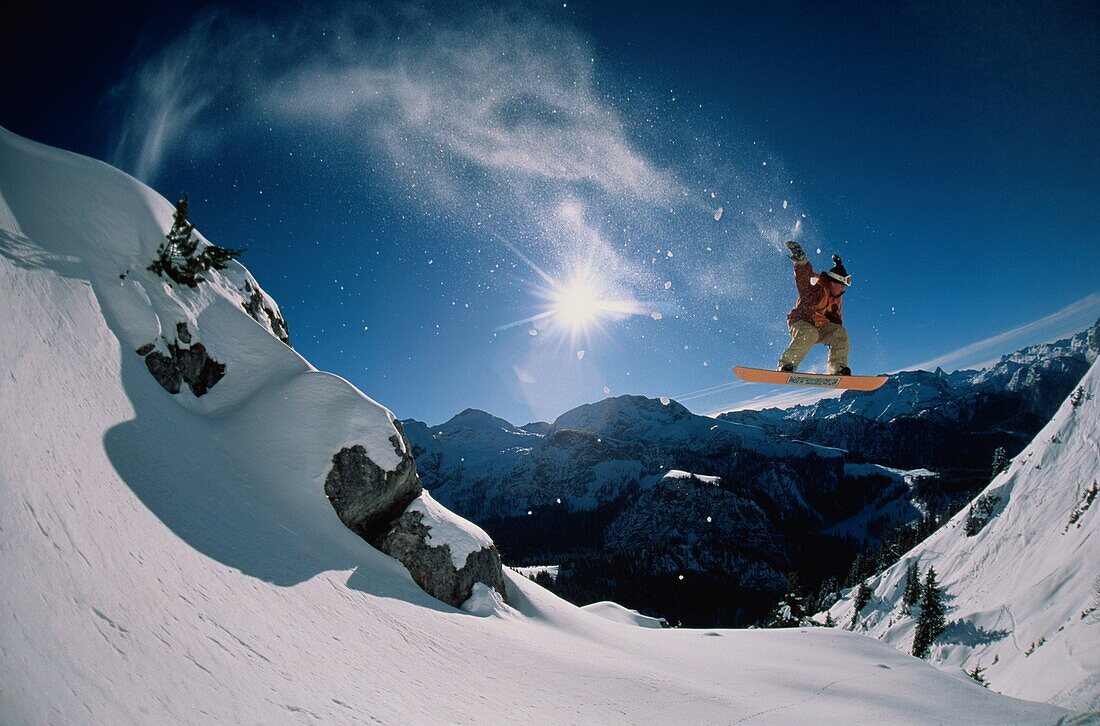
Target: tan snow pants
x=804, y=336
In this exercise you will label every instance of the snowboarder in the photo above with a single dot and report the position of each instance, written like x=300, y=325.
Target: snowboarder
x=815, y=318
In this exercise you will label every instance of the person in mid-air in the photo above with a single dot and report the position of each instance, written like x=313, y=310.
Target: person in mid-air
x=815, y=318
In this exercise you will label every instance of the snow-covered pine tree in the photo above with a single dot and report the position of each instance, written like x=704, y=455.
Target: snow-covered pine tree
x=1000, y=460
x=790, y=611
x=827, y=594
x=863, y=596
x=179, y=257
x=976, y=674
x=1078, y=396
x=912, y=593
x=931, y=621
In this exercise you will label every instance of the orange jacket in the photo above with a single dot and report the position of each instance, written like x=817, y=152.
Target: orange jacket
x=816, y=305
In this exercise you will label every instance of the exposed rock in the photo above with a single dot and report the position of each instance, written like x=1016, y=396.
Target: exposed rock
x=264, y=314
x=367, y=498
x=388, y=509
x=185, y=363
x=432, y=566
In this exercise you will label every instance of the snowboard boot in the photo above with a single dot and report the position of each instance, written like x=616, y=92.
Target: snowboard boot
x=786, y=368
x=845, y=371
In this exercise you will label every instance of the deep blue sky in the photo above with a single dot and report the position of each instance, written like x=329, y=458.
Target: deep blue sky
x=402, y=173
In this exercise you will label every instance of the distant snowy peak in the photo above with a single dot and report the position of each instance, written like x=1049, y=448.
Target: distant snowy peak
x=624, y=417
x=1084, y=345
x=473, y=419
x=1039, y=372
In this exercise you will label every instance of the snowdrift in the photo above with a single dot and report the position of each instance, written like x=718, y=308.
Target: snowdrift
x=173, y=559
x=1023, y=593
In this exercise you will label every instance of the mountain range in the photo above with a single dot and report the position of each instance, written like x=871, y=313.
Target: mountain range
x=603, y=486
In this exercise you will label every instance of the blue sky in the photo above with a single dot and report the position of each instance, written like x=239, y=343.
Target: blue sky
x=429, y=190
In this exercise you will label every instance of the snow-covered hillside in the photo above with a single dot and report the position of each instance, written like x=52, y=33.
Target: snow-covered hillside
x=1023, y=593
x=168, y=558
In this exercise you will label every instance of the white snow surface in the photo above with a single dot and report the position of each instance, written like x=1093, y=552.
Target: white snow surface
x=168, y=559
x=615, y=612
x=445, y=528
x=680, y=474
x=1026, y=581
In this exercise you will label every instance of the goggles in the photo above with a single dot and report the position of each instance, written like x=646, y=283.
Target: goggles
x=844, y=280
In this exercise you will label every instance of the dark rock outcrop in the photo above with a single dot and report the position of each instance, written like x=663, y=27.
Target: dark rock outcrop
x=431, y=566
x=263, y=314
x=186, y=362
x=368, y=499
x=374, y=503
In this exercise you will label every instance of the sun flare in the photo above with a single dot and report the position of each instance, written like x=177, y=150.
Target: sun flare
x=578, y=304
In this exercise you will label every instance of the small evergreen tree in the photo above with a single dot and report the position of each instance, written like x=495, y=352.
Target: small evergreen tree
x=912, y=593
x=827, y=594
x=976, y=674
x=179, y=257
x=1078, y=396
x=1000, y=461
x=790, y=611
x=830, y=622
x=979, y=513
x=863, y=596
x=855, y=572
x=931, y=621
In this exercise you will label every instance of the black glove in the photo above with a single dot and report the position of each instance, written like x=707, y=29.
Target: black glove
x=796, y=251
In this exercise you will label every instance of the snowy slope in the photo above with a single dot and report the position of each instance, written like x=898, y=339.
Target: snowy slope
x=172, y=559
x=1027, y=580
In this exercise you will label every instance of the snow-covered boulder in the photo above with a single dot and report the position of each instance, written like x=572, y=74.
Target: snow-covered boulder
x=186, y=361
x=368, y=498
x=445, y=554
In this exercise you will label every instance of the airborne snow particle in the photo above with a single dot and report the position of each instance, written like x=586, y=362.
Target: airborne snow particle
x=665, y=400
x=784, y=204
x=668, y=254
x=718, y=214
x=709, y=519
x=819, y=250
x=580, y=355
x=668, y=284
x=656, y=315
x=681, y=577
x=606, y=391
x=532, y=331
x=559, y=500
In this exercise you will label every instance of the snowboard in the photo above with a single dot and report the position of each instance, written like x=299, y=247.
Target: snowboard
x=818, y=380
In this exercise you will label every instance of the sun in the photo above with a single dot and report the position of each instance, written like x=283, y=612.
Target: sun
x=578, y=304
